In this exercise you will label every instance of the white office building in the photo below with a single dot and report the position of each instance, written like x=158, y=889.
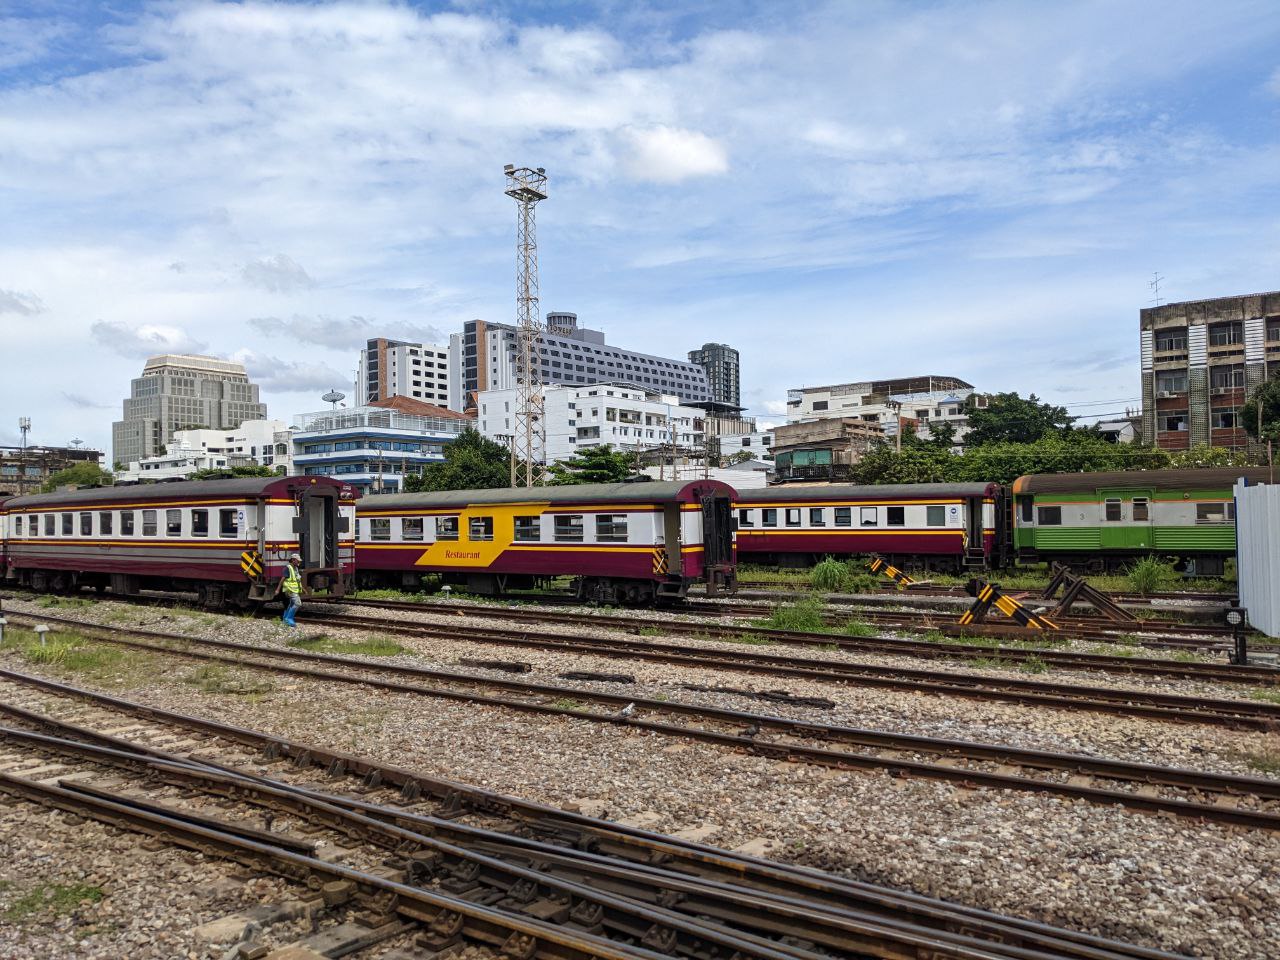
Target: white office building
x=263, y=443
x=483, y=357
x=616, y=415
x=397, y=368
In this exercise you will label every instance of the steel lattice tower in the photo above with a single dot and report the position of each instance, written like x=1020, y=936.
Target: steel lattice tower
x=527, y=187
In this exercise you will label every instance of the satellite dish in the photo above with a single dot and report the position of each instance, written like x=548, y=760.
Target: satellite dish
x=333, y=396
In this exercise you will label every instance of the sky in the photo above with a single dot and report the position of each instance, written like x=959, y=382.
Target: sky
x=841, y=190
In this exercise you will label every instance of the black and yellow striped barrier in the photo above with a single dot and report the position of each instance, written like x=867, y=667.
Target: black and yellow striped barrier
x=251, y=564
x=986, y=595
x=882, y=566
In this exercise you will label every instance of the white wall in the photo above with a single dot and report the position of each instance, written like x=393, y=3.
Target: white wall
x=1258, y=554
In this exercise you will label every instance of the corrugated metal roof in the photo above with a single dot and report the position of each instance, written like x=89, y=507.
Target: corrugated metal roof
x=853, y=492
x=1199, y=478
x=656, y=491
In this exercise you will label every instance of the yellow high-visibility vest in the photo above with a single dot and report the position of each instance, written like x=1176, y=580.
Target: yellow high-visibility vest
x=292, y=583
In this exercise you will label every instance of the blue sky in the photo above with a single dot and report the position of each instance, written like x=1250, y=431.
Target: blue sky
x=843, y=191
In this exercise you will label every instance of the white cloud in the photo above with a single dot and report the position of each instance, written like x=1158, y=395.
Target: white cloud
x=1273, y=85
x=669, y=155
x=143, y=340
x=23, y=304
x=278, y=274
x=348, y=333
x=289, y=376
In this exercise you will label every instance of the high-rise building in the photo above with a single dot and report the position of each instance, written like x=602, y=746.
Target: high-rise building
x=1200, y=361
x=721, y=363
x=483, y=357
x=397, y=368
x=182, y=392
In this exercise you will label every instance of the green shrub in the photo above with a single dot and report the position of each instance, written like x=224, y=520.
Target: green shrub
x=829, y=575
x=1150, y=575
x=856, y=628
x=864, y=583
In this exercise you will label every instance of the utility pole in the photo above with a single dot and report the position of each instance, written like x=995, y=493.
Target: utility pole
x=527, y=187
x=24, y=425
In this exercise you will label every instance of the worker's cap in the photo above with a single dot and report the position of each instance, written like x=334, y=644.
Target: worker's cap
x=296, y=558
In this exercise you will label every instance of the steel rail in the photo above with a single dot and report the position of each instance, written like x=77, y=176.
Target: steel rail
x=627, y=916
x=581, y=832
x=795, y=750
x=1223, y=672
x=1238, y=714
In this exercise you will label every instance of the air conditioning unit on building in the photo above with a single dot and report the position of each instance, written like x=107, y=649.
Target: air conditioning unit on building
x=1165, y=394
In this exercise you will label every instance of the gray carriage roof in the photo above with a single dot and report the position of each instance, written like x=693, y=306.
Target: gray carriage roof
x=1217, y=478
x=246, y=487
x=853, y=492
x=641, y=492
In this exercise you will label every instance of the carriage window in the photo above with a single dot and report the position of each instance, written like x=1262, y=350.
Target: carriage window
x=48, y=524
x=227, y=526
x=935, y=516
x=867, y=517
x=149, y=523
x=17, y=526
x=480, y=529
x=817, y=517
x=380, y=528
x=1027, y=505
x=86, y=524
x=446, y=528
x=744, y=518
x=173, y=523
x=1114, y=510
x=844, y=516
x=569, y=528
x=769, y=517
x=66, y=525
x=528, y=529
x=104, y=522
x=895, y=516
x=611, y=528
x=1212, y=513
x=1049, y=516
x=1140, y=510
x=793, y=517
x=199, y=523
x=411, y=528
x=126, y=523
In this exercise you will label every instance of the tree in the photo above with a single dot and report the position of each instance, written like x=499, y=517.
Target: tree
x=742, y=456
x=471, y=462
x=81, y=474
x=1265, y=397
x=220, y=473
x=1008, y=418
x=1209, y=457
x=599, y=464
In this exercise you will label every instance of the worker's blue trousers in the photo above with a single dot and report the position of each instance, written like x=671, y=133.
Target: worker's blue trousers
x=292, y=602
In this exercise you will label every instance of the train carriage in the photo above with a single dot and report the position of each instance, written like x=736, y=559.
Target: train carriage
x=1102, y=521
x=934, y=526
x=226, y=540
x=633, y=543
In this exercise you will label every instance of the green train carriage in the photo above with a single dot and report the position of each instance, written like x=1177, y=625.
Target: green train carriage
x=1103, y=521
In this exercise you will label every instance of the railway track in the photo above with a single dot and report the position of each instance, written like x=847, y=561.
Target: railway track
x=1236, y=714
x=953, y=648
x=462, y=863
x=935, y=590
x=1244, y=801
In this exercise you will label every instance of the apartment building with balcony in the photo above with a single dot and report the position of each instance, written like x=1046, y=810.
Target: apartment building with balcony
x=1200, y=361
x=374, y=447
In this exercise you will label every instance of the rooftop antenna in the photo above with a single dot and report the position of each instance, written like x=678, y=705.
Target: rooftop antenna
x=75, y=443
x=1154, y=284
x=333, y=398
x=527, y=186
x=24, y=425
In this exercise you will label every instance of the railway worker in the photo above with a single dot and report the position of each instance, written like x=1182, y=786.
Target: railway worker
x=291, y=587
